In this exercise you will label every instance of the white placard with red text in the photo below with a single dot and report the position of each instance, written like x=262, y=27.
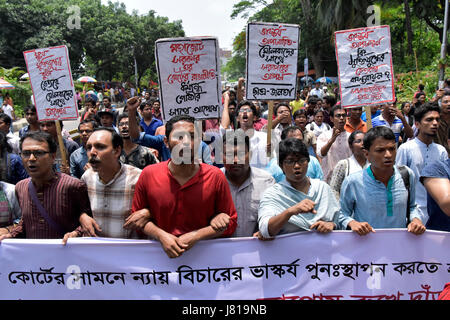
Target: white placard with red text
x=52, y=83
x=385, y=265
x=189, y=77
x=366, y=73
x=272, y=54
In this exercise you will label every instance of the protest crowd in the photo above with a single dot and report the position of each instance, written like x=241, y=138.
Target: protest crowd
x=130, y=175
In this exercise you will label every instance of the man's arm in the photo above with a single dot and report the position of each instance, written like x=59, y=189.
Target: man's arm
x=225, y=120
x=439, y=190
x=409, y=132
x=173, y=246
x=133, y=126
x=326, y=147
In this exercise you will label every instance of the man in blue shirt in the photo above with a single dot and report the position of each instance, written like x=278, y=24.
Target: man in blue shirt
x=148, y=122
x=377, y=197
x=394, y=119
x=79, y=159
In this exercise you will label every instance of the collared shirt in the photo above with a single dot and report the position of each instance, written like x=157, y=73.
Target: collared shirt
x=314, y=169
x=139, y=157
x=416, y=155
x=151, y=128
x=78, y=159
x=246, y=200
x=362, y=126
x=364, y=116
x=396, y=126
x=179, y=209
x=339, y=150
x=316, y=92
x=64, y=200
x=282, y=196
x=111, y=202
x=365, y=199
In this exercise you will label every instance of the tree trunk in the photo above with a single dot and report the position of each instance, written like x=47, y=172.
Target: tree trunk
x=409, y=32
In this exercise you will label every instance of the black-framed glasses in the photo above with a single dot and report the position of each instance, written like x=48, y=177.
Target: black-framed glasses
x=121, y=124
x=341, y=115
x=36, y=153
x=291, y=162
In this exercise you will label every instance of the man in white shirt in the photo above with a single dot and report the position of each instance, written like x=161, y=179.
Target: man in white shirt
x=332, y=145
x=316, y=91
x=421, y=151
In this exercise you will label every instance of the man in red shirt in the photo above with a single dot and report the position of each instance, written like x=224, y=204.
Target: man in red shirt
x=183, y=196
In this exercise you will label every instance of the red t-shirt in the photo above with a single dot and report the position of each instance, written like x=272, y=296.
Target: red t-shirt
x=181, y=209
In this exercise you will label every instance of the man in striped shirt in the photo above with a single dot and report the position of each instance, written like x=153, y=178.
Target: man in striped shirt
x=394, y=119
x=51, y=202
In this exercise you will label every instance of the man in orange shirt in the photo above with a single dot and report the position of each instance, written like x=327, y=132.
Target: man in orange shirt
x=354, y=121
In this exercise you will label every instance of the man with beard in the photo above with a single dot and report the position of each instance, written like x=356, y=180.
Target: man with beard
x=247, y=184
x=332, y=145
x=110, y=186
x=133, y=154
x=377, y=197
x=183, y=195
x=421, y=151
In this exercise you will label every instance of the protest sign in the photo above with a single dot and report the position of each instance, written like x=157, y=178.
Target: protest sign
x=272, y=53
x=386, y=265
x=188, y=70
x=51, y=83
x=366, y=73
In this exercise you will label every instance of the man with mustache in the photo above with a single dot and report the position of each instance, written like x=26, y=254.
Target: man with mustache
x=377, y=197
x=110, y=186
x=421, y=151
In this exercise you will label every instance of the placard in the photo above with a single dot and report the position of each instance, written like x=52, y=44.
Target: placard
x=272, y=54
x=52, y=83
x=366, y=74
x=188, y=70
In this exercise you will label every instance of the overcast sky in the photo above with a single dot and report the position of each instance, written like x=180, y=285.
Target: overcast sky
x=200, y=17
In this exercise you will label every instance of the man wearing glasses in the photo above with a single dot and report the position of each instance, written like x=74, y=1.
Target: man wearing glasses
x=332, y=145
x=51, y=202
x=297, y=203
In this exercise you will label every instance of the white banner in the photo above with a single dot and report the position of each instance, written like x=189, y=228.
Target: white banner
x=272, y=53
x=366, y=73
x=52, y=83
x=189, y=77
x=386, y=265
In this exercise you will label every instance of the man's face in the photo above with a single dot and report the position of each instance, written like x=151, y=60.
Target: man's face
x=147, y=95
x=285, y=112
x=382, y=154
x=318, y=118
x=429, y=124
x=355, y=113
x=295, y=168
x=231, y=110
x=445, y=104
x=339, y=118
x=31, y=117
x=147, y=112
x=297, y=134
x=181, y=142
x=422, y=99
x=106, y=103
x=106, y=120
x=390, y=110
x=36, y=158
x=300, y=121
x=4, y=127
x=240, y=165
x=100, y=150
x=124, y=128
x=85, y=130
x=49, y=127
x=246, y=116
x=156, y=107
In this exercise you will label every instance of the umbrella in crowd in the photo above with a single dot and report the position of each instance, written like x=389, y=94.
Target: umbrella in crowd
x=86, y=79
x=5, y=84
x=324, y=80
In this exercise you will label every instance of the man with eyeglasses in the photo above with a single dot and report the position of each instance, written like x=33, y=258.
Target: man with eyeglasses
x=51, y=202
x=332, y=145
x=297, y=203
x=133, y=154
x=79, y=159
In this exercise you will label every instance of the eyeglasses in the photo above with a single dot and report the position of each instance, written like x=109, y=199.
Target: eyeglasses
x=36, y=153
x=121, y=124
x=245, y=110
x=86, y=131
x=340, y=115
x=291, y=162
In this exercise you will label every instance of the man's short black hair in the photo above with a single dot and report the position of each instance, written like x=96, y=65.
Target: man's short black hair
x=300, y=112
x=4, y=145
x=40, y=136
x=172, y=121
x=330, y=100
x=278, y=105
x=292, y=146
x=107, y=98
x=117, y=140
x=287, y=130
x=87, y=121
x=333, y=110
x=246, y=103
x=422, y=110
x=352, y=137
x=29, y=108
x=5, y=118
x=377, y=132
